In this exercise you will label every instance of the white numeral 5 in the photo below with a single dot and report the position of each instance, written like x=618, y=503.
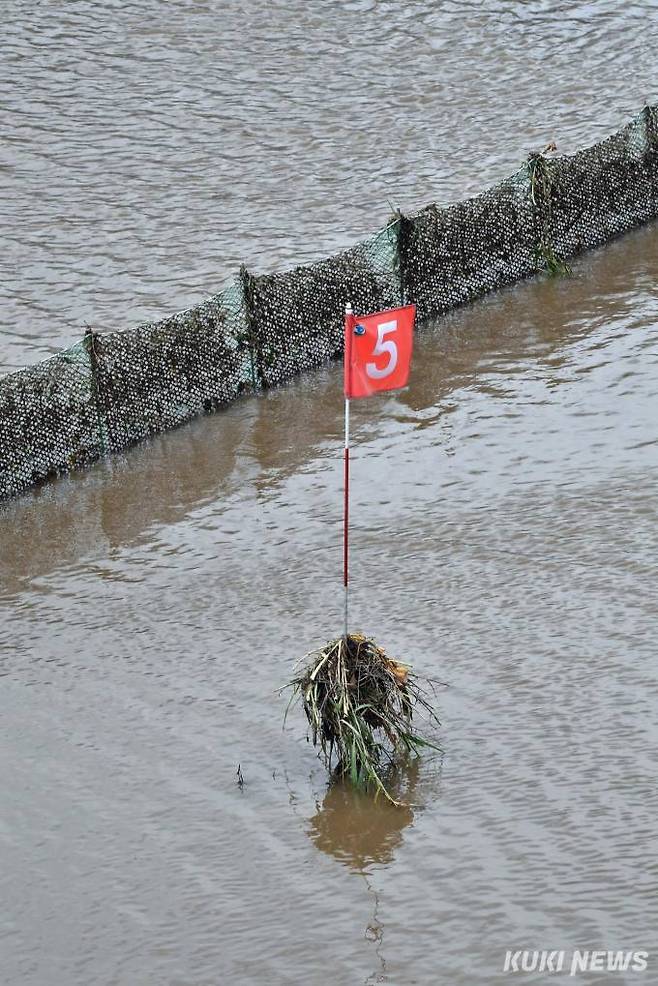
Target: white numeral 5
x=382, y=346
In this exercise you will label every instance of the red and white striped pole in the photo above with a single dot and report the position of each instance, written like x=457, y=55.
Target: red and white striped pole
x=349, y=327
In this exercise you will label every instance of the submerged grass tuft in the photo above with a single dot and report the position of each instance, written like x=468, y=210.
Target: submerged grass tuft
x=359, y=704
x=548, y=260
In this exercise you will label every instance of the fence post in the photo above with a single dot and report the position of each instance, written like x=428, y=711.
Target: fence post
x=649, y=116
x=404, y=227
x=540, y=173
x=89, y=342
x=247, y=284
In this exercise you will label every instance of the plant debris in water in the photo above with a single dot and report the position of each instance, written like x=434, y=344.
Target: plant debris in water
x=359, y=704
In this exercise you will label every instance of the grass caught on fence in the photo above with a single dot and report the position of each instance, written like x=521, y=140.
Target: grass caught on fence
x=359, y=704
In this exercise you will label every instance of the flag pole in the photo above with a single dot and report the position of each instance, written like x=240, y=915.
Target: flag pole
x=347, y=510
x=349, y=320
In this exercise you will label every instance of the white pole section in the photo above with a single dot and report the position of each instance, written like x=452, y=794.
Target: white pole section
x=349, y=320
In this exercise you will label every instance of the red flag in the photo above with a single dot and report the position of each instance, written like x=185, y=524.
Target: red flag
x=378, y=351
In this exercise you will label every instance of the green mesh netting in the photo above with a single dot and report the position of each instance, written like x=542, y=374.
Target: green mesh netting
x=296, y=317
x=156, y=376
x=603, y=191
x=48, y=420
x=121, y=387
x=452, y=255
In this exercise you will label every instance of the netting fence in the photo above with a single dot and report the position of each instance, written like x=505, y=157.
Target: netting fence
x=111, y=390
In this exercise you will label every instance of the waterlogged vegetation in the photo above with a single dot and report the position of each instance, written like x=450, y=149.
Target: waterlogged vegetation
x=360, y=704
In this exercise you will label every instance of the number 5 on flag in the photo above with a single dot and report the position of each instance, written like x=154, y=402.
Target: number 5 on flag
x=378, y=351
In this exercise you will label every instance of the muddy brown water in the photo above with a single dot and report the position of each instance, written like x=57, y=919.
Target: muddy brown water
x=504, y=514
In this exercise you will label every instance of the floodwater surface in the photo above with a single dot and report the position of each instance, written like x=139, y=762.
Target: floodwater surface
x=505, y=516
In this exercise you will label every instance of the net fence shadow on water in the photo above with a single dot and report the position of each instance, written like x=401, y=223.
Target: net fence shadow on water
x=114, y=389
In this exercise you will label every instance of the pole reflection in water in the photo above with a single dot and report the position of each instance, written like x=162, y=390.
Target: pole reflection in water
x=357, y=829
x=364, y=834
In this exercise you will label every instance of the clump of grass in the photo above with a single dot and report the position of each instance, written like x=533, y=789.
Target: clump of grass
x=541, y=195
x=547, y=259
x=359, y=704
